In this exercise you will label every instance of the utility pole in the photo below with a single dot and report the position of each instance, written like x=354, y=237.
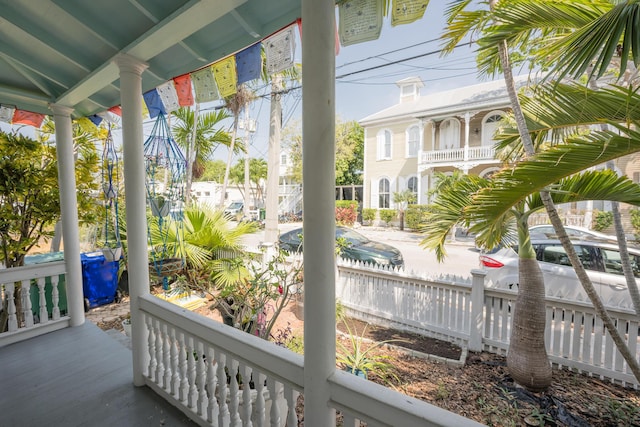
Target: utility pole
x=273, y=162
x=249, y=127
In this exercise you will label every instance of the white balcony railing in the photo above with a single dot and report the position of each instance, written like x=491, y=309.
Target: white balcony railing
x=40, y=283
x=457, y=155
x=202, y=367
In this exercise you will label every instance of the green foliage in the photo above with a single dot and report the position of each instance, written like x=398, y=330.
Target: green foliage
x=602, y=220
x=349, y=152
x=387, y=215
x=346, y=212
x=284, y=337
x=29, y=191
x=358, y=355
x=416, y=215
x=213, y=171
x=403, y=199
x=369, y=215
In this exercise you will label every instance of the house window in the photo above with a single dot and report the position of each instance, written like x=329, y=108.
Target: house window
x=384, y=195
x=490, y=125
x=449, y=134
x=636, y=177
x=413, y=141
x=412, y=185
x=283, y=159
x=384, y=145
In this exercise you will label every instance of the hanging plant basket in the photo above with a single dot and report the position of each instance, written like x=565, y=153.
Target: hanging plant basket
x=166, y=267
x=160, y=206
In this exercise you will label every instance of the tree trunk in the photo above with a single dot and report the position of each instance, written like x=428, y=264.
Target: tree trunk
x=191, y=155
x=527, y=358
x=229, y=158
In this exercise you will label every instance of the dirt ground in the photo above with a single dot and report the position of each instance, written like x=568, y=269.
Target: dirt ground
x=481, y=389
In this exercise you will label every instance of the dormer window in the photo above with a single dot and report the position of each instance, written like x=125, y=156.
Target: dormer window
x=410, y=88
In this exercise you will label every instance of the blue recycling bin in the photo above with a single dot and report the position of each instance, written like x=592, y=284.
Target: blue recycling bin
x=99, y=279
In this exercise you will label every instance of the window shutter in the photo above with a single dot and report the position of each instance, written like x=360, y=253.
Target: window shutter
x=374, y=193
x=392, y=189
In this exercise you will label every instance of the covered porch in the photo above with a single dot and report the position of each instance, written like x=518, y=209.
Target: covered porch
x=76, y=59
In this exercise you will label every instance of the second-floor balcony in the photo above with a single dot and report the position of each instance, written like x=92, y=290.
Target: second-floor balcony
x=483, y=153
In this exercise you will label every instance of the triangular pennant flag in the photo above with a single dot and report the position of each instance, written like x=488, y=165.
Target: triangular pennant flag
x=225, y=74
x=168, y=95
x=360, y=21
x=183, y=89
x=154, y=103
x=407, y=11
x=280, y=49
x=204, y=85
x=337, y=41
x=249, y=63
x=6, y=113
x=86, y=124
x=108, y=116
x=95, y=119
x=117, y=110
x=145, y=110
x=27, y=118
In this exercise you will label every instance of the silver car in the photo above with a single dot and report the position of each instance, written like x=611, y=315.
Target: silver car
x=600, y=258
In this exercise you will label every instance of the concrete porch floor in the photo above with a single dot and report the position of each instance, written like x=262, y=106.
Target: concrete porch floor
x=77, y=377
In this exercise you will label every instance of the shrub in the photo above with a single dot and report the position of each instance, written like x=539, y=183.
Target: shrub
x=368, y=215
x=387, y=215
x=415, y=216
x=346, y=212
x=602, y=220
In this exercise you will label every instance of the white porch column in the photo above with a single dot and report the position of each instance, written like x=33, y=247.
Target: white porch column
x=318, y=160
x=420, y=151
x=467, y=119
x=69, y=212
x=135, y=201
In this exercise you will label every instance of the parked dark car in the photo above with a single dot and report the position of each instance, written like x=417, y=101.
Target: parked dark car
x=358, y=248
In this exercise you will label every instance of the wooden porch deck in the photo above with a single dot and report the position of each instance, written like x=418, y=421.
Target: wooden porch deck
x=77, y=377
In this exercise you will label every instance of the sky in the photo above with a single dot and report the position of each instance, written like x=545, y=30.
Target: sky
x=366, y=76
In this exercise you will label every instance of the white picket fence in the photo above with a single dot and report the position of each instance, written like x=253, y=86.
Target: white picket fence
x=462, y=311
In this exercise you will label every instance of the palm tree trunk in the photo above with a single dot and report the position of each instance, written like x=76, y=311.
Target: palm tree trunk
x=190, y=155
x=229, y=158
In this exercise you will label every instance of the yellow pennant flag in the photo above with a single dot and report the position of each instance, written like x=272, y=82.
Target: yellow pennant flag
x=407, y=11
x=226, y=76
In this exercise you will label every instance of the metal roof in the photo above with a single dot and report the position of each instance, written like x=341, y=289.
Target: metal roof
x=62, y=51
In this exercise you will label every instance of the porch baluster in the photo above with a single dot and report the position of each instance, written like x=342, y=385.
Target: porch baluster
x=10, y=289
x=191, y=374
x=349, y=420
x=44, y=314
x=274, y=390
x=246, y=395
x=55, y=298
x=292, y=398
x=222, y=390
x=201, y=378
x=25, y=294
x=212, y=405
x=166, y=353
x=234, y=393
x=151, y=341
x=260, y=406
x=157, y=329
x=175, y=363
x=183, y=356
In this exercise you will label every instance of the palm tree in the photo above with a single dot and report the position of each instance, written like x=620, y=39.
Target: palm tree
x=200, y=145
x=494, y=55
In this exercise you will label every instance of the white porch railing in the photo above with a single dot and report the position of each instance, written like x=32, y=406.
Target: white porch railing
x=457, y=155
x=29, y=281
x=463, y=311
x=191, y=361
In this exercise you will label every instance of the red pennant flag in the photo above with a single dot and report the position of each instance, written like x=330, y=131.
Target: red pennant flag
x=117, y=110
x=183, y=89
x=27, y=118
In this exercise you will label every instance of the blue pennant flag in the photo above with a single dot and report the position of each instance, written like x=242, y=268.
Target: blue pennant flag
x=154, y=103
x=249, y=63
x=95, y=119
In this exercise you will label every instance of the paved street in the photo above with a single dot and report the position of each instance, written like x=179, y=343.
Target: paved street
x=461, y=254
